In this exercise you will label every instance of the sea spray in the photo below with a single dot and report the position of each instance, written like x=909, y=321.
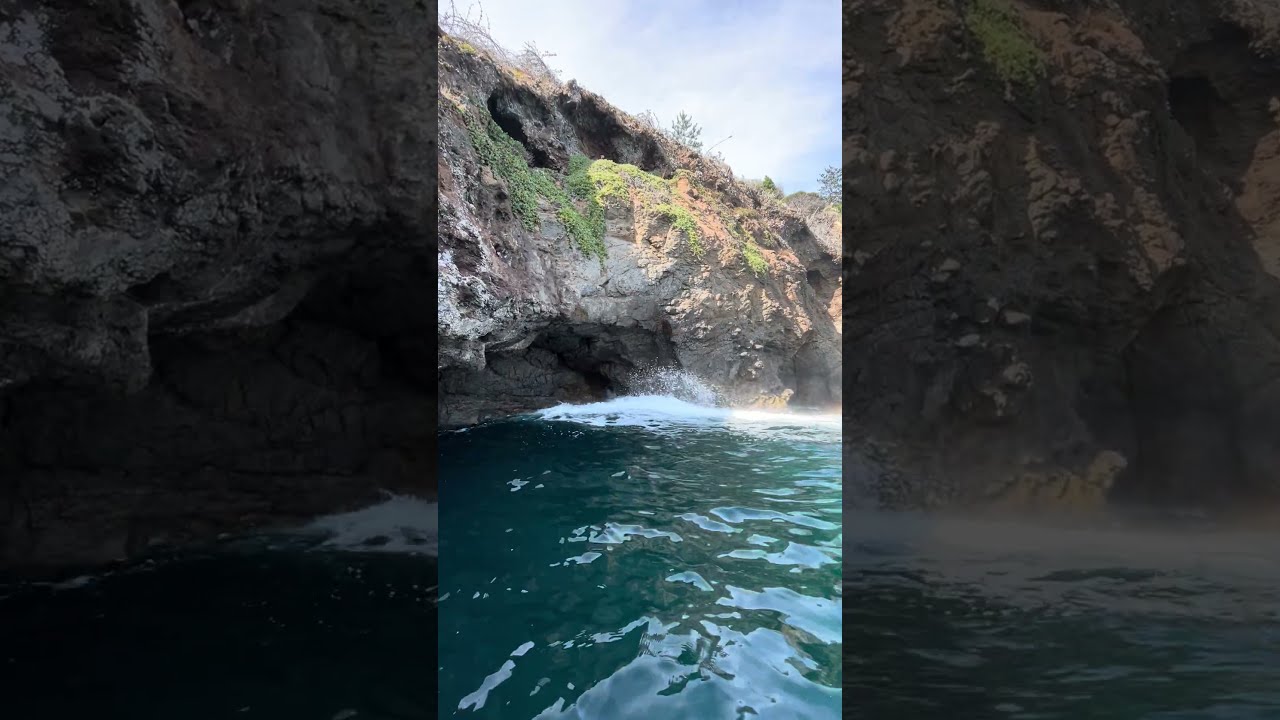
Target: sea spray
x=673, y=382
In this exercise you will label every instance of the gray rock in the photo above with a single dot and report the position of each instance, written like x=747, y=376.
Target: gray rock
x=214, y=235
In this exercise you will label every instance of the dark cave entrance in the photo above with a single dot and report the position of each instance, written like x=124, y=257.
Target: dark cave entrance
x=502, y=105
x=602, y=135
x=606, y=358
x=1220, y=92
x=565, y=362
x=1195, y=104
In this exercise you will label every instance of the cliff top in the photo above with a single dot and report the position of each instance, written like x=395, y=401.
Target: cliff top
x=609, y=155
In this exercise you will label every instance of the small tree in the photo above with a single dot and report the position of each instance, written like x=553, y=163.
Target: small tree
x=685, y=132
x=830, y=184
x=769, y=186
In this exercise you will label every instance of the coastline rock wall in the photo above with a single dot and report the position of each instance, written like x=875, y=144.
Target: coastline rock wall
x=216, y=218
x=1062, y=261
x=529, y=319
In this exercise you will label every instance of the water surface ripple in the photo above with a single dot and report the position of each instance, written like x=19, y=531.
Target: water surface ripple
x=641, y=558
x=964, y=618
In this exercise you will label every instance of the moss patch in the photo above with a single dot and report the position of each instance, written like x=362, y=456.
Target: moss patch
x=1004, y=43
x=755, y=259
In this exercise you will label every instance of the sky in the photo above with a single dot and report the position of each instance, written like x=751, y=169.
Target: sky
x=766, y=72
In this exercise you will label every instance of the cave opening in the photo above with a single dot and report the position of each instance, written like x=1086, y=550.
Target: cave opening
x=317, y=407
x=1221, y=93
x=606, y=357
x=502, y=107
x=1195, y=103
x=602, y=135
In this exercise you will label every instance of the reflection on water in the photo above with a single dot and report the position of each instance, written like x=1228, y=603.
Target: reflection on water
x=955, y=618
x=642, y=558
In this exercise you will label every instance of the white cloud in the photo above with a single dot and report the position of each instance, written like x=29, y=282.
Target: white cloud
x=765, y=72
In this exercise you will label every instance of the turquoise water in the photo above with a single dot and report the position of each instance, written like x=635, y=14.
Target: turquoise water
x=961, y=618
x=309, y=626
x=641, y=558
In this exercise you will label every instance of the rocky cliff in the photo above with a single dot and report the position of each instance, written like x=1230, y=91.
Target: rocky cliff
x=579, y=246
x=216, y=222
x=1062, y=250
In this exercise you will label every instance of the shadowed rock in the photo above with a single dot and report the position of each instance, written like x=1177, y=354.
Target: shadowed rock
x=216, y=224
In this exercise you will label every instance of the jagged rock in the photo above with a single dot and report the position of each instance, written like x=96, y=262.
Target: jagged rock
x=216, y=223
x=527, y=319
x=1126, y=200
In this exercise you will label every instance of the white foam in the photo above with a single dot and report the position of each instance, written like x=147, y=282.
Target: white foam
x=401, y=524
x=666, y=411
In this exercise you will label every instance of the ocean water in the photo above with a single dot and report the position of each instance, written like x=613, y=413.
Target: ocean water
x=335, y=621
x=644, y=557
x=1014, y=620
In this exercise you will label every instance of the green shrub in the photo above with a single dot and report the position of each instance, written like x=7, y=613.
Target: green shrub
x=588, y=187
x=577, y=182
x=586, y=231
x=682, y=220
x=505, y=156
x=1004, y=43
x=755, y=259
x=614, y=181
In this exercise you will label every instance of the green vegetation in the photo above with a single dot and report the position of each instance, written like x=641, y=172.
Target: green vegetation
x=768, y=185
x=755, y=259
x=683, y=220
x=684, y=131
x=505, y=156
x=589, y=187
x=467, y=47
x=1004, y=43
x=830, y=184
x=681, y=173
x=587, y=231
x=614, y=181
x=604, y=182
x=577, y=182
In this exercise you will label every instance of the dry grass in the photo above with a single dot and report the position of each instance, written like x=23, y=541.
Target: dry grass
x=472, y=33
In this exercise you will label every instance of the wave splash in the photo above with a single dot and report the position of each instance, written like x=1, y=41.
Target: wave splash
x=675, y=383
x=401, y=524
x=675, y=411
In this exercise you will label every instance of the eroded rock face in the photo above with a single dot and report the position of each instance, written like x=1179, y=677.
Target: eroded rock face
x=1044, y=275
x=528, y=320
x=216, y=220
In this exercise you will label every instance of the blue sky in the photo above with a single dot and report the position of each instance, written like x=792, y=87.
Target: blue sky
x=765, y=72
